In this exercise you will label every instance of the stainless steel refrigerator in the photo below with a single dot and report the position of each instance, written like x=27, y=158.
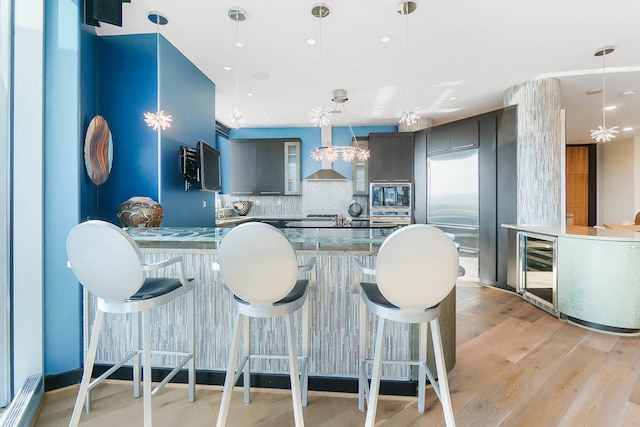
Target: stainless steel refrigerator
x=452, y=196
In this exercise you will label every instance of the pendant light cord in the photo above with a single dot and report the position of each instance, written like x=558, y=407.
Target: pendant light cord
x=406, y=71
x=237, y=78
x=321, y=59
x=604, y=90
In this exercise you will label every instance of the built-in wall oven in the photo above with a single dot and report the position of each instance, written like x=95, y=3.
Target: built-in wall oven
x=537, y=277
x=390, y=203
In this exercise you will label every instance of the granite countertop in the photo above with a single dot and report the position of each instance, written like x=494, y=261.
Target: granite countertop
x=345, y=239
x=577, y=231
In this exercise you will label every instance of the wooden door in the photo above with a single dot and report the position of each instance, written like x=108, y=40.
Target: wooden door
x=577, y=180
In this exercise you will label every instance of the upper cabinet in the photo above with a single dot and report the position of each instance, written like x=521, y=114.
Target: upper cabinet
x=265, y=167
x=361, y=171
x=292, y=167
x=391, y=157
x=452, y=137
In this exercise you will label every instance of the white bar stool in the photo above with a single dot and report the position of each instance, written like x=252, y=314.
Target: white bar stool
x=258, y=264
x=109, y=264
x=416, y=268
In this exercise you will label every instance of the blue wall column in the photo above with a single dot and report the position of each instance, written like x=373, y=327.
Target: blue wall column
x=62, y=169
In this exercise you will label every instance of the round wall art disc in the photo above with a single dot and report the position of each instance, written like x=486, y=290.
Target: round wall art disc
x=98, y=150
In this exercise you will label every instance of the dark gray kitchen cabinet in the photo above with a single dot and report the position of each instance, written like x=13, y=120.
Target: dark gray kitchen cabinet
x=243, y=157
x=452, y=137
x=438, y=140
x=464, y=135
x=257, y=166
x=270, y=167
x=391, y=157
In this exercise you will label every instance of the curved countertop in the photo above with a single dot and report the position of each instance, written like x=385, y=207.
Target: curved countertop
x=577, y=231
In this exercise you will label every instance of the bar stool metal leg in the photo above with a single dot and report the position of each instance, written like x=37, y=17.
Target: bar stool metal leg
x=422, y=374
x=146, y=367
x=293, y=370
x=372, y=401
x=191, y=343
x=229, y=379
x=246, y=331
x=88, y=368
x=443, y=383
x=363, y=387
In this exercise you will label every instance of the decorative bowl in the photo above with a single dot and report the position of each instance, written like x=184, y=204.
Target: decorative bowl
x=138, y=212
x=242, y=206
x=355, y=209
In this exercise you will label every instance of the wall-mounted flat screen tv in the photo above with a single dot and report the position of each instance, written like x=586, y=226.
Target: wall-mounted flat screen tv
x=208, y=167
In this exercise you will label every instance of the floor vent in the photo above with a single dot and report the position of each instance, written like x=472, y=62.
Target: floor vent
x=22, y=410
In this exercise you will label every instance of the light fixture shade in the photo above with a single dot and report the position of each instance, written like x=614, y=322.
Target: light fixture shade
x=158, y=120
x=237, y=118
x=409, y=116
x=320, y=117
x=602, y=134
x=346, y=153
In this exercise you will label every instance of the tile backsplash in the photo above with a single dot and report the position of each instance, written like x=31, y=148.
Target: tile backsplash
x=318, y=197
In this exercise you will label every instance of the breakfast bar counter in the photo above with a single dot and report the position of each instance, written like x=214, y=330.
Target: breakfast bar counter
x=333, y=309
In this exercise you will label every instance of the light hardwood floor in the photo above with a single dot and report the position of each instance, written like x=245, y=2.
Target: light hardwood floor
x=516, y=366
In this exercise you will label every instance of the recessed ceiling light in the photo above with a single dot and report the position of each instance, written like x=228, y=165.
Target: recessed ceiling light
x=610, y=107
x=593, y=91
x=227, y=68
x=249, y=93
x=238, y=44
x=385, y=39
x=453, y=98
x=627, y=129
x=628, y=92
x=311, y=41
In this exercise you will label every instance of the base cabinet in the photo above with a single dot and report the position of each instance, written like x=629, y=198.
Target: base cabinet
x=598, y=283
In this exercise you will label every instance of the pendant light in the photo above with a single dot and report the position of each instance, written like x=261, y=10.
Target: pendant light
x=347, y=153
x=604, y=134
x=158, y=120
x=410, y=115
x=237, y=118
x=320, y=117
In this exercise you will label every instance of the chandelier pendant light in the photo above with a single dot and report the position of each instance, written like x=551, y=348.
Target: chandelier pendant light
x=347, y=153
x=604, y=134
x=319, y=116
x=237, y=118
x=158, y=120
x=410, y=115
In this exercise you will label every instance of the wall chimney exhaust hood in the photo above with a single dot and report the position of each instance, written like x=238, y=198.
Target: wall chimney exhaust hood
x=326, y=173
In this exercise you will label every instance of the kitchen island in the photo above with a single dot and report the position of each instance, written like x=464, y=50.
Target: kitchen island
x=590, y=276
x=333, y=299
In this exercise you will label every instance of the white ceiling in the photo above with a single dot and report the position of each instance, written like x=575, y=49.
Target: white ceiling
x=468, y=49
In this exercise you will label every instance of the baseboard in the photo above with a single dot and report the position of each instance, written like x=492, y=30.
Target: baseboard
x=261, y=380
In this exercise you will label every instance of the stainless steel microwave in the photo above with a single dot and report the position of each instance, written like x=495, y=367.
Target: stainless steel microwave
x=392, y=195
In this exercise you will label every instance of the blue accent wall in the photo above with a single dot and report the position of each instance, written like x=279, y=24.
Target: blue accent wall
x=62, y=169
x=145, y=161
x=189, y=96
x=127, y=87
x=311, y=139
